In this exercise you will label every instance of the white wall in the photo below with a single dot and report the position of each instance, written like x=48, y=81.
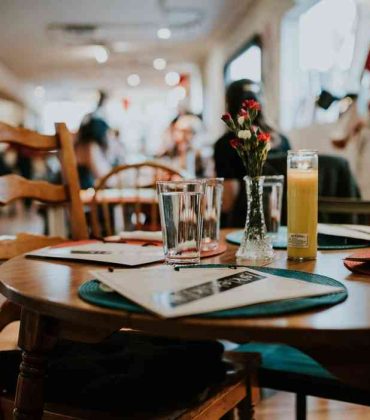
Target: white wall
x=262, y=18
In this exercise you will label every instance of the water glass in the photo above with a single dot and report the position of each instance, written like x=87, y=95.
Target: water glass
x=181, y=213
x=213, y=189
x=273, y=187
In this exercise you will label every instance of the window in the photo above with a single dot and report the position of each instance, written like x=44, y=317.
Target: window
x=246, y=64
x=318, y=49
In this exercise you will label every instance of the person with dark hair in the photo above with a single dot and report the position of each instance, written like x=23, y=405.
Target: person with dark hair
x=227, y=162
x=92, y=151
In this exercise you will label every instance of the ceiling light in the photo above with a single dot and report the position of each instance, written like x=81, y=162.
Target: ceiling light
x=179, y=92
x=159, y=63
x=39, y=92
x=164, y=33
x=101, y=54
x=121, y=46
x=172, y=78
x=133, y=80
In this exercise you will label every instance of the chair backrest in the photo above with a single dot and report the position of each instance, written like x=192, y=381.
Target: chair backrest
x=134, y=192
x=13, y=187
x=348, y=206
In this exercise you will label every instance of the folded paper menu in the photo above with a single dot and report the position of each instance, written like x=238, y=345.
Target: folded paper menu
x=170, y=293
x=96, y=251
x=347, y=231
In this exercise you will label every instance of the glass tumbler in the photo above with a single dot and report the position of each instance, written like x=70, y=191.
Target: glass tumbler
x=273, y=187
x=181, y=214
x=213, y=189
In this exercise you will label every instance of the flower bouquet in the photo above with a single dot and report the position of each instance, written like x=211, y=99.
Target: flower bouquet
x=252, y=145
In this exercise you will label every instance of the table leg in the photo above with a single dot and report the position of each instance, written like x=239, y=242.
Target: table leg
x=36, y=337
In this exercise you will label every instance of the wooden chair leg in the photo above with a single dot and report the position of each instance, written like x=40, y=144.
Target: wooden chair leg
x=245, y=409
x=301, y=406
x=36, y=338
x=9, y=312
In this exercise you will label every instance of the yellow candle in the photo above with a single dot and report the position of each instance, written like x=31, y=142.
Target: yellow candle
x=302, y=213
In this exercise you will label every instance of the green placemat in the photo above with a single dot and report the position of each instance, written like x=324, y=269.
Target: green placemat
x=92, y=293
x=325, y=242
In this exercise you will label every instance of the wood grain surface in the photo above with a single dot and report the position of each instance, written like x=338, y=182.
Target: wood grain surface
x=338, y=336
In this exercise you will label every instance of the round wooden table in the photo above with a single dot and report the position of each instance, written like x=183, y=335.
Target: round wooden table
x=338, y=337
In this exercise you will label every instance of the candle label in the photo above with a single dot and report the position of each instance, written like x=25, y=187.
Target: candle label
x=298, y=240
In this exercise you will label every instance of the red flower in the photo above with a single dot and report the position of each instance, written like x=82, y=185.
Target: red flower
x=252, y=104
x=235, y=143
x=262, y=136
x=226, y=117
x=244, y=113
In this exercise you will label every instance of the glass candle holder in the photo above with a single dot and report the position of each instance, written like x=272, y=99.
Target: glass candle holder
x=302, y=204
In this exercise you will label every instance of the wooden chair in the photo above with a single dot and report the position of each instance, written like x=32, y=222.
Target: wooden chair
x=234, y=398
x=285, y=368
x=236, y=391
x=134, y=195
x=348, y=206
x=14, y=187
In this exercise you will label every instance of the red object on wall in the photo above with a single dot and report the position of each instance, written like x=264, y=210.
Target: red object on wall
x=126, y=103
x=367, y=64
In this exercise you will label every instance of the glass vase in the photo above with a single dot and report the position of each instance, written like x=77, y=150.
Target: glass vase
x=256, y=246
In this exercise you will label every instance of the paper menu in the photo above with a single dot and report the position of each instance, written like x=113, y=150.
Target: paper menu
x=170, y=293
x=109, y=253
x=347, y=231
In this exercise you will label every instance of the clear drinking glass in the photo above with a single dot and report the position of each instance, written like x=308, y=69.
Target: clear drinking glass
x=181, y=213
x=213, y=189
x=273, y=187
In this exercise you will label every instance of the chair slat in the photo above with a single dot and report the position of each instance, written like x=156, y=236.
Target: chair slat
x=343, y=205
x=13, y=187
x=27, y=138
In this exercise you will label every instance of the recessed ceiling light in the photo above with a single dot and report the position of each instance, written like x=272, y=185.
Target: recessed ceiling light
x=159, y=63
x=172, y=78
x=39, y=92
x=101, y=54
x=121, y=46
x=133, y=80
x=179, y=92
x=164, y=33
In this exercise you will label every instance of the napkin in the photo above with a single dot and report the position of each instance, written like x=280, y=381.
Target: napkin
x=141, y=235
x=359, y=262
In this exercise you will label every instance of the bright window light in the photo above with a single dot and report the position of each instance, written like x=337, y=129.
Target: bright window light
x=246, y=66
x=326, y=35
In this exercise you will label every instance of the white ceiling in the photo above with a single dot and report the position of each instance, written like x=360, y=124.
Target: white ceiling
x=35, y=46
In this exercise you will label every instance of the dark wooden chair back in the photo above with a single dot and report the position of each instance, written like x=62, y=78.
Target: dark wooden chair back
x=134, y=191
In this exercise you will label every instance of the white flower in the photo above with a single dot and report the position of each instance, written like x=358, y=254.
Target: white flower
x=244, y=134
x=241, y=120
x=268, y=146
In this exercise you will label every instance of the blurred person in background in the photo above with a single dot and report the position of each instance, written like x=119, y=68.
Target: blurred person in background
x=182, y=148
x=227, y=161
x=92, y=151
